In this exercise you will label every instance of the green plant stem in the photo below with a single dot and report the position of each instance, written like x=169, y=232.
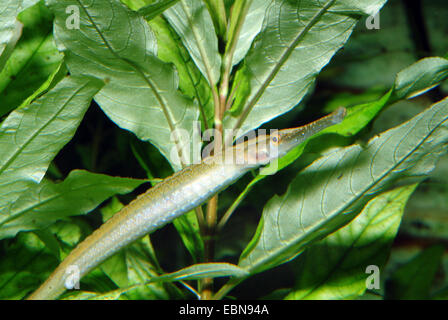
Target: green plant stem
x=221, y=103
x=209, y=245
x=232, y=283
x=231, y=97
x=233, y=34
x=201, y=220
x=211, y=217
x=208, y=68
x=212, y=208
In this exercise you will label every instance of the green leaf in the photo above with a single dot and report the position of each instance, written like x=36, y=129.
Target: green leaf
x=188, y=228
x=115, y=43
x=192, y=22
x=33, y=60
x=23, y=259
x=32, y=135
x=414, y=279
x=154, y=9
x=140, y=270
x=194, y=85
x=357, y=118
x=194, y=272
x=298, y=39
x=191, y=81
x=217, y=10
x=335, y=268
x=132, y=266
x=137, y=4
x=50, y=242
x=425, y=73
x=28, y=261
x=10, y=27
x=45, y=203
x=204, y=270
x=59, y=73
x=334, y=188
x=252, y=25
x=242, y=85
x=420, y=77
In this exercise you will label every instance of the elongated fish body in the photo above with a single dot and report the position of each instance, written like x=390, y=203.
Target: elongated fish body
x=169, y=199
x=176, y=195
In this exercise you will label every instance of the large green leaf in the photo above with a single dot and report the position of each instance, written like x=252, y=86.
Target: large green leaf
x=191, y=82
x=10, y=27
x=33, y=60
x=298, y=39
x=411, y=81
x=32, y=135
x=253, y=22
x=335, y=188
x=194, y=85
x=192, y=21
x=47, y=202
x=335, y=268
x=115, y=43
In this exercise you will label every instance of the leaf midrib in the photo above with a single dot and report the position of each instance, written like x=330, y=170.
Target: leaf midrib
x=201, y=48
x=283, y=58
x=150, y=84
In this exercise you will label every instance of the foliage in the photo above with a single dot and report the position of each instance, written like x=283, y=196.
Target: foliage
x=93, y=91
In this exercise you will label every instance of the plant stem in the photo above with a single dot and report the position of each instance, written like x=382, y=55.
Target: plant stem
x=232, y=283
x=221, y=102
x=209, y=244
x=211, y=217
x=234, y=29
x=201, y=220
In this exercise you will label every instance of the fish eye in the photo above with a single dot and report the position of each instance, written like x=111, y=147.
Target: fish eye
x=275, y=138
